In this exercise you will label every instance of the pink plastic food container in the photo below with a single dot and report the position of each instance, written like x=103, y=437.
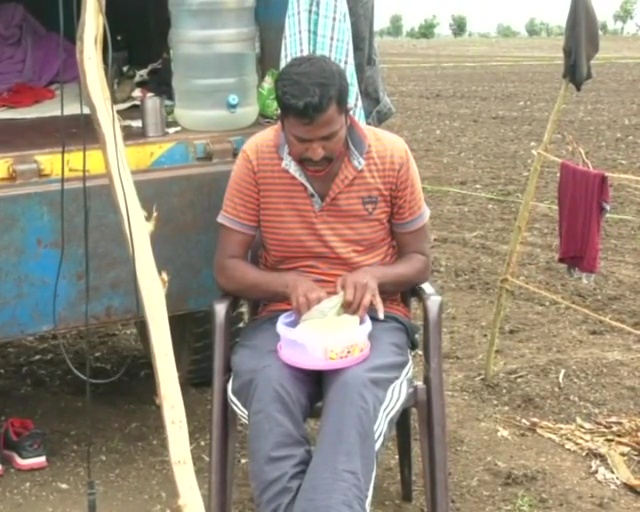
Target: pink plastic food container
x=308, y=353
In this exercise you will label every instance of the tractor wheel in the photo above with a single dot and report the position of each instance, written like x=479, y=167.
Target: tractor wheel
x=191, y=335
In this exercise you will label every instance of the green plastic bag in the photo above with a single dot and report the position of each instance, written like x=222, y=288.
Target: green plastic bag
x=267, y=96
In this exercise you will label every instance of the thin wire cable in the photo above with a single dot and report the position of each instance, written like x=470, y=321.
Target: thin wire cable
x=63, y=147
x=629, y=177
x=87, y=277
x=91, y=489
x=506, y=199
x=86, y=376
x=564, y=302
x=114, y=116
x=91, y=495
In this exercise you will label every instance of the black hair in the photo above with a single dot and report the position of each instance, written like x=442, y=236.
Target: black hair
x=309, y=85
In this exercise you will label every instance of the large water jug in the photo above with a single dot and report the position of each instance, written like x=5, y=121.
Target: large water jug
x=213, y=56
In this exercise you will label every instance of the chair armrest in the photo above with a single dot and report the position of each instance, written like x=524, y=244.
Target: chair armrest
x=433, y=378
x=431, y=304
x=222, y=421
x=424, y=291
x=223, y=308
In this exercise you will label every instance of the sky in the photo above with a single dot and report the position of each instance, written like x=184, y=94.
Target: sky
x=484, y=15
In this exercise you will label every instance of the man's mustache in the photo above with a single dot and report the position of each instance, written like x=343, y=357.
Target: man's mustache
x=316, y=163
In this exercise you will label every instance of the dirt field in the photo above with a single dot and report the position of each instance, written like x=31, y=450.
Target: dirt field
x=472, y=111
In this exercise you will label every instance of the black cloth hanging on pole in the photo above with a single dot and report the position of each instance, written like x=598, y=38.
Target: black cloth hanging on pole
x=581, y=42
x=378, y=108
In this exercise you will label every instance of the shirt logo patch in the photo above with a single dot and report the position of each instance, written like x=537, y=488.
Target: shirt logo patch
x=370, y=203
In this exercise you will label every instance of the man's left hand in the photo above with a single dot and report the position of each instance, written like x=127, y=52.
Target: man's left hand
x=361, y=293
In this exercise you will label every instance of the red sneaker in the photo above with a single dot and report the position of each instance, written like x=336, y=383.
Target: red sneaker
x=23, y=445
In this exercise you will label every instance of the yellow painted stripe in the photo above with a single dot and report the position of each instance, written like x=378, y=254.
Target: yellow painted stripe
x=5, y=169
x=139, y=157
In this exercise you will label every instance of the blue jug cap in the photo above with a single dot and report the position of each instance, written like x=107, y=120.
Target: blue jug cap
x=232, y=102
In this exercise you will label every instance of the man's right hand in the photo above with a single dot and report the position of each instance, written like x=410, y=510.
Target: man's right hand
x=303, y=293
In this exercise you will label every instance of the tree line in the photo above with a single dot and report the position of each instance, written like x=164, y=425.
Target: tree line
x=458, y=26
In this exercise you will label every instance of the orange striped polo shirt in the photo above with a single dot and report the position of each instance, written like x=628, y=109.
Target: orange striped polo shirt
x=376, y=192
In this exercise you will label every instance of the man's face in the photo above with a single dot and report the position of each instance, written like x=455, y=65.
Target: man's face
x=316, y=145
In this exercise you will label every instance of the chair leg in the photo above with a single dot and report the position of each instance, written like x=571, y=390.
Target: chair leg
x=425, y=455
x=231, y=460
x=222, y=421
x=438, y=450
x=403, y=438
x=218, y=460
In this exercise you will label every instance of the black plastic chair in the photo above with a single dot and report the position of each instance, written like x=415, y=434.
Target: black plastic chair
x=426, y=398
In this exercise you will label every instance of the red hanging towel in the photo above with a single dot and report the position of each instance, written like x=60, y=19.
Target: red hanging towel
x=583, y=200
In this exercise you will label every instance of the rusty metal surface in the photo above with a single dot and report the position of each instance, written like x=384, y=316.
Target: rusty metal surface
x=39, y=135
x=187, y=201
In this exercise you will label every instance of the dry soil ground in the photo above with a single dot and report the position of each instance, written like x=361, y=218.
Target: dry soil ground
x=472, y=111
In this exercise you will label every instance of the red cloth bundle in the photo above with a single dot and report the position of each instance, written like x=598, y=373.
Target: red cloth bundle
x=23, y=95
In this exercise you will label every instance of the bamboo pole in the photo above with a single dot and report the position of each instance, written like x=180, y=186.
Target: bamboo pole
x=520, y=227
x=151, y=286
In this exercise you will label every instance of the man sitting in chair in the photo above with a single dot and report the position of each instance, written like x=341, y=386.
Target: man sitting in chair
x=339, y=207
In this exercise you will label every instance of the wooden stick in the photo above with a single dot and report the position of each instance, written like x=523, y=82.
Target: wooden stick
x=89, y=52
x=519, y=229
